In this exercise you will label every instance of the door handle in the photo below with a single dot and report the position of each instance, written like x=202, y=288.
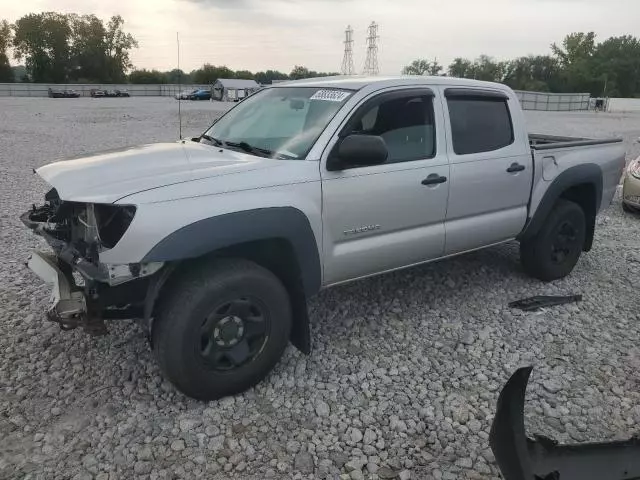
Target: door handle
x=515, y=167
x=434, y=179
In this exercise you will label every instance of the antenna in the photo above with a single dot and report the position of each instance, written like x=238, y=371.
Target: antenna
x=371, y=63
x=347, y=61
x=179, y=89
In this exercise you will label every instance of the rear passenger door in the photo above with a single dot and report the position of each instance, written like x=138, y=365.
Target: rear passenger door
x=491, y=169
x=382, y=217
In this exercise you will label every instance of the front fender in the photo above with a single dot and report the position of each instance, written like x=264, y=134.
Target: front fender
x=221, y=231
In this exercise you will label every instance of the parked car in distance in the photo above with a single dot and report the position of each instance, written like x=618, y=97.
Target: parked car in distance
x=55, y=93
x=217, y=243
x=122, y=93
x=631, y=187
x=200, y=95
x=95, y=93
x=185, y=94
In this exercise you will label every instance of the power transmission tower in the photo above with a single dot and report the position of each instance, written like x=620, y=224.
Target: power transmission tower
x=347, y=60
x=371, y=63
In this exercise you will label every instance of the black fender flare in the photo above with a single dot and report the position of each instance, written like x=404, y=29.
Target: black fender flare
x=541, y=458
x=215, y=233
x=231, y=229
x=588, y=173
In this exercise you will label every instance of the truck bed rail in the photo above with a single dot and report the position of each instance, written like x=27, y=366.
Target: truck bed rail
x=549, y=142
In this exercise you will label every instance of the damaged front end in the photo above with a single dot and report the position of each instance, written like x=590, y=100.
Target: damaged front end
x=86, y=291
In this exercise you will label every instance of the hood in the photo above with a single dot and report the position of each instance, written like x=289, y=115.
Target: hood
x=108, y=176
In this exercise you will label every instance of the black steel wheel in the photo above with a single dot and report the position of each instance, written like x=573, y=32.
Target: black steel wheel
x=234, y=334
x=221, y=327
x=564, y=243
x=554, y=251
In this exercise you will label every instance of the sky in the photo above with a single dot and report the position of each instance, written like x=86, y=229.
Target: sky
x=278, y=34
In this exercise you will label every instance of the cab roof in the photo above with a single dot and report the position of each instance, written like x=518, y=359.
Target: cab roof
x=360, y=82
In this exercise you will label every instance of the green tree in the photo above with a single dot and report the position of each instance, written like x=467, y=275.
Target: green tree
x=244, y=75
x=42, y=39
x=118, y=45
x=486, y=68
x=177, y=76
x=575, y=48
x=617, y=67
x=209, y=74
x=88, y=49
x=269, y=76
x=6, y=73
x=147, y=76
x=300, y=72
x=534, y=73
x=482, y=68
x=576, y=58
x=461, y=68
x=20, y=73
x=423, y=67
x=61, y=47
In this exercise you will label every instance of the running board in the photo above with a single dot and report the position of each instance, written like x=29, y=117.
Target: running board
x=522, y=458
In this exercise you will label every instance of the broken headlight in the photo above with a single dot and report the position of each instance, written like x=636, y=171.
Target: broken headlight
x=112, y=221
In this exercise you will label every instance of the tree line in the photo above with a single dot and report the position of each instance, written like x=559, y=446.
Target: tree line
x=208, y=74
x=58, y=48
x=70, y=48
x=579, y=64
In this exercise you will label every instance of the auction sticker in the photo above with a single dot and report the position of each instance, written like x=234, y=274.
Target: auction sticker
x=330, y=95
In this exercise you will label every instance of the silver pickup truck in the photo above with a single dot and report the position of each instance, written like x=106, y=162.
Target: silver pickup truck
x=217, y=242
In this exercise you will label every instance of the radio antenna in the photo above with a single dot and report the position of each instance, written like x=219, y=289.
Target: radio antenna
x=179, y=88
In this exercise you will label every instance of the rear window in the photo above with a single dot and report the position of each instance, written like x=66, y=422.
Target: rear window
x=479, y=124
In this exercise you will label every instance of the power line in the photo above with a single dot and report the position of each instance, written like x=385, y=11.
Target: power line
x=371, y=66
x=347, y=60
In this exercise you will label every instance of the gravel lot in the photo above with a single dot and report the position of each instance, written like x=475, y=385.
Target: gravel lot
x=405, y=371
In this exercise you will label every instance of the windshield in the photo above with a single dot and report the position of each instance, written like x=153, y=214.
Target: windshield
x=278, y=122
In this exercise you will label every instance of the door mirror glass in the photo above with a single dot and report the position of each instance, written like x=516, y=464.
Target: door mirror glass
x=359, y=151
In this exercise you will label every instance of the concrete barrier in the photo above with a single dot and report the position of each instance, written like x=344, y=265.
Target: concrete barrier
x=84, y=89
x=624, y=105
x=553, y=102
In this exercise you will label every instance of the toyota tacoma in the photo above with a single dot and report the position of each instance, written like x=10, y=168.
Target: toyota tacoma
x=217, y=242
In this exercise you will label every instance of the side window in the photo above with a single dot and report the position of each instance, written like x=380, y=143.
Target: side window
x=479, y=124
x=406, y=125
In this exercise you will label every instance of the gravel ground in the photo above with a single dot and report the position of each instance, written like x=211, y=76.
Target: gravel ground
x=405, y=371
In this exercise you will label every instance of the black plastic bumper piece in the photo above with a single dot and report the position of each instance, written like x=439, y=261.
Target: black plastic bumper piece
x=522, y=458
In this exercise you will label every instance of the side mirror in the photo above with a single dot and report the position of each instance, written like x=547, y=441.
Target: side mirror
x=358, y=151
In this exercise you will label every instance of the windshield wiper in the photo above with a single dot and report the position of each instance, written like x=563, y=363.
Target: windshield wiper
x=215, y=141
x=244, y=146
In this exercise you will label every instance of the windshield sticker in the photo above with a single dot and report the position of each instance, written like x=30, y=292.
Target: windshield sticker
x=330, y=95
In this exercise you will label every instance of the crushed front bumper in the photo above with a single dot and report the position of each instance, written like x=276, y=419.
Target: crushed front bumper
x=68, y=306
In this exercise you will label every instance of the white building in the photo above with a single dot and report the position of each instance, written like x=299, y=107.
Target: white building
x=231, y=89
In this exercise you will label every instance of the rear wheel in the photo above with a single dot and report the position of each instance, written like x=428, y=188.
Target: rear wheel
x=628, y=208
x=554, y=251
x=222, y=328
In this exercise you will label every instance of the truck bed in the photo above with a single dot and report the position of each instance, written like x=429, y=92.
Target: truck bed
x=549, y=142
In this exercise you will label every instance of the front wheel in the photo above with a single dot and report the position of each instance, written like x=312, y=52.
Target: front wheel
x=222, y=328
x=554, y=251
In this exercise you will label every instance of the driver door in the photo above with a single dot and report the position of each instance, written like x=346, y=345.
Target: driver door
x=383, y=217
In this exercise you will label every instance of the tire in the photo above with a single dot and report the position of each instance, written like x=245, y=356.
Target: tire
x=554, y=251
x=628, y=208
x=206, y=334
